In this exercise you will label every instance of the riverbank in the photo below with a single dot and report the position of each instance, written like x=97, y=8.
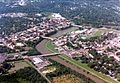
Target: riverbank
x=41, y=46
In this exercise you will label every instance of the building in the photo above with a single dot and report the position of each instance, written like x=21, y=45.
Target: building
x=3, y=57
x=39, y=62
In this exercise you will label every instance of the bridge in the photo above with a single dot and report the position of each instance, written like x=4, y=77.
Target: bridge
x=47, y=55
x=49, y=38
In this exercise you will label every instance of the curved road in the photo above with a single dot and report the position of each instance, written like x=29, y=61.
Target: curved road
x=42, y=49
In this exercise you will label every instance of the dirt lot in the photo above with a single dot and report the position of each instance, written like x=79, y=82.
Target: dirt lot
x=67, y=79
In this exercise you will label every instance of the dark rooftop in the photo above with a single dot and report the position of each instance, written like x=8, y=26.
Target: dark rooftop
x=3, y=57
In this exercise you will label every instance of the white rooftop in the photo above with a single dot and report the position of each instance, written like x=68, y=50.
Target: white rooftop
x=57, y=15
x=37, y=60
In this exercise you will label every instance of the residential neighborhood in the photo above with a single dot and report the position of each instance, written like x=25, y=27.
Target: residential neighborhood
x=89, y=44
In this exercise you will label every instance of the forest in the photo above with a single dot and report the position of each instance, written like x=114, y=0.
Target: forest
x=26, y=75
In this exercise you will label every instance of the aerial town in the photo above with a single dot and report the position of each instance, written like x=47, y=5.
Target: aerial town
x=78, y=39
x=48, y=27
x=92, y=43
x=85, y=44
x=59, y=41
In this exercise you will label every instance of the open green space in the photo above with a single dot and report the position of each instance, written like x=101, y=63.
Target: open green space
x=98, y=32
x=22, y=72
x=51, y=46
x=18, y=65
x=107, y=79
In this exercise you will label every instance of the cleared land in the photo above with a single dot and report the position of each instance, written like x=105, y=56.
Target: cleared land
x=18, y=65
x=48, y=70
x=94, y=73
x=69, y=78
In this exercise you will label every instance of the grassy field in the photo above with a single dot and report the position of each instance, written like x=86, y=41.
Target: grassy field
x=98, y=32
x=107, y=79
x=51, y=46
x=69, y=78
x=18, y=65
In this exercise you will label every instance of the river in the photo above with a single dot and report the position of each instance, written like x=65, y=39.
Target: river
x=42, y=49
x=41, y=46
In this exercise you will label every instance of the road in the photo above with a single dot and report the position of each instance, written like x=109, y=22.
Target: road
x=38, y=71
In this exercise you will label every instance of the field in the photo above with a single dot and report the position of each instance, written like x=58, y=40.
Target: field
x=107, y=79
x=69, y=78
x=101, y=31
x=18, y=65
x=48, y=70
x=51, y=46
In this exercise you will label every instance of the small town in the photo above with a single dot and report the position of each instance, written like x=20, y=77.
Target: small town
x=18, y=40
x=78, y=39
x=85, y=44
x=48, y=26
x=59, y=41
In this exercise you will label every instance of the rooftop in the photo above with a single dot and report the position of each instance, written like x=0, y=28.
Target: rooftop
x=3, y=57
x=37, y=60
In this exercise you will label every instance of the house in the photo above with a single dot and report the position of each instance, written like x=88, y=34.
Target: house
x=3, y=57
